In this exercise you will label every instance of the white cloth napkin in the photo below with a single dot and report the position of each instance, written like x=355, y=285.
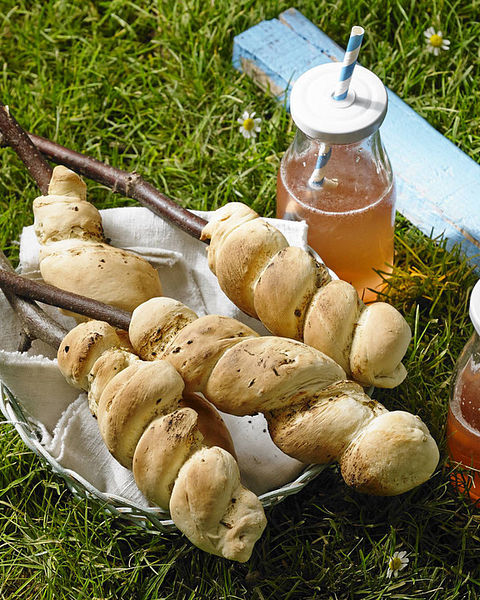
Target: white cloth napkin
x=69, y=432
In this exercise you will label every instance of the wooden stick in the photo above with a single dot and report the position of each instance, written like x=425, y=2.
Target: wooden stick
x=130, y=185
x=36, y=324
x=25, y=342
x=49, y=294
x=15, y=136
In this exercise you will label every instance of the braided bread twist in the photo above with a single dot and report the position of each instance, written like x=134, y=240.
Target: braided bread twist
x=294, y=296
x=74, y=255
x=179, y=449
x=314, y=414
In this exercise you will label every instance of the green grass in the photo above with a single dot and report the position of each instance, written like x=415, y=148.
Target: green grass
x=149, y=86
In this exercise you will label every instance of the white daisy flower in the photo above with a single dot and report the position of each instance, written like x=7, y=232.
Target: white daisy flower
x=435, y=41
x=396, y=563
x=249, y=125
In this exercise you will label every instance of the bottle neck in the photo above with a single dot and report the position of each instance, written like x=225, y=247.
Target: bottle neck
x=359, y=165
x=371, y=144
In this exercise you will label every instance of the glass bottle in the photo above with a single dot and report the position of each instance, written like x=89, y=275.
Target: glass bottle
x=463, y=420
x=351, y=215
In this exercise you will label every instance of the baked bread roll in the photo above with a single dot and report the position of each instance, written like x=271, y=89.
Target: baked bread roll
x=176, y=443
x=313, y=412
x=74, y=255
x=209, y=421
x=222, y=517
x=293, y=295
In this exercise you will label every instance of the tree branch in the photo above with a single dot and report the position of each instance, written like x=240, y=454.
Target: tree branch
x=15, y=136
x=48, y=294
x=130, y=185
x=36, y=324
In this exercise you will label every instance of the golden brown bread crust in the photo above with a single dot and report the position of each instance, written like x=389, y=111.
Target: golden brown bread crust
x=200, y=486
x=131, y=400
x=195, y=350
x=224, y=221
x=81, y=347
x=209, y=422
x=100, y=271
x=157, y=322
x=339, y=412
x=243, y=256
x=170, y=440
x=223, y=517
x=282, y=286
x=80, y=219
x=281, y=301
x=313, y=413
x=148, y=426
x=389, y=454
x=163, y=448
x=380, y=341
x=328, y=322
x=264, y=373
x=65, y=182
x=74, y=255
x=109, y=364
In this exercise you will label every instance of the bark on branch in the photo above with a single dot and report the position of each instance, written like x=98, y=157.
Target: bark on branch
x=15, y=136
x=49, y=294
x=131, y=185
x=36, y=324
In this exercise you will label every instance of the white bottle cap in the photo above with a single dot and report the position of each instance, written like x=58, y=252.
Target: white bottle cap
x=318, y=115
x=475, y=307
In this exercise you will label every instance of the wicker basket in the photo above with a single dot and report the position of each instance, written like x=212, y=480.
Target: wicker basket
x=154, y=519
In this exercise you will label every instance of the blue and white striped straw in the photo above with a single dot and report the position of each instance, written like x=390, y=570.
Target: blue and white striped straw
x=349, y=62
x=317, y=178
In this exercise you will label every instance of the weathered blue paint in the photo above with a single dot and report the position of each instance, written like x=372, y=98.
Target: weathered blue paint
x=437, y=183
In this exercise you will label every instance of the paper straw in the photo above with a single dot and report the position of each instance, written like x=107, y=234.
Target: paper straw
x=317, y=178
x=349, y=62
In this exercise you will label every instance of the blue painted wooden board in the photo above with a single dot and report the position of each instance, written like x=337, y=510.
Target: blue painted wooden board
x=437, y=183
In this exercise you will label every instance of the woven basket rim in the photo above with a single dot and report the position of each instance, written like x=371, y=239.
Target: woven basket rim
x=151, y=518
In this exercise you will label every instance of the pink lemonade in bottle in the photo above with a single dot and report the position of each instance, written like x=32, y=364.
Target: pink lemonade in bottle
x=463, y=428
x=351, y=216
x=463, y=420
